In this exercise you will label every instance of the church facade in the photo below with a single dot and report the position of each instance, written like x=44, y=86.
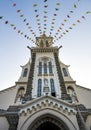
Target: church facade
x=45, y=96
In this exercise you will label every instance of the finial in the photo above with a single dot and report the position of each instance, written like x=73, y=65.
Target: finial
x=44, y=35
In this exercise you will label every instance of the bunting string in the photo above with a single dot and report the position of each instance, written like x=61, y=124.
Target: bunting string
x=25, y=21
x=47, y=21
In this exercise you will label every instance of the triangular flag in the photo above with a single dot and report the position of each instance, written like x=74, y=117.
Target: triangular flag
x=46, y=6
x=37, y=15
x=71, y=12
x=78, y=21
x=55, y=14
x=65, y=20
x=24, y=20
x=18, y=11
x=12, y=25
x=58, y=4
x=45, y=16
x=1, y=17
x=14, y=28
x=21, y=15
x=56, y=9
x=75, y=6
x=83, y=17
x=45, y=0
x=70, y=27
x=27, y=23
x=38, y=19
x=36, y=10
x=14, y=4
x=62, y=24
x=6, y=22
x=68, y=16
x=88, y=12
x=64, y=33
x=19, y=31
x=45, y=20
x=35, y=5
x=45, y=12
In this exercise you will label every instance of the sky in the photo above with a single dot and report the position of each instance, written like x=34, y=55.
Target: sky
x=67, y=21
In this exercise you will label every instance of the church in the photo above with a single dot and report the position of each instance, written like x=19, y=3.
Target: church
x=45, y=95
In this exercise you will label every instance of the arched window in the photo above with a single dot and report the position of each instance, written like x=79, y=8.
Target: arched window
x=50, y=67
x=25, y=72
x=40, y=67
x=39, y=90
x=47, y=44
x=65, y=72
x=41, y=43
x=52, y=87
x=72, y=94
x=70, y=90
x=45, y=68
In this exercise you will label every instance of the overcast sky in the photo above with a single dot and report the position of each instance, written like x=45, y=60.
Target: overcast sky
x=71, y=17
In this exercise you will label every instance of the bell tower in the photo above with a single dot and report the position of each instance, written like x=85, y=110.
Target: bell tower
x=44, y=41
x=45, y=76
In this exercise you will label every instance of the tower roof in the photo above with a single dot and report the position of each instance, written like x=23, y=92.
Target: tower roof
x=44, y=41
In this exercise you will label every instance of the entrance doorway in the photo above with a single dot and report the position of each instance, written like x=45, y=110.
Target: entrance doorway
x=48, y=126
x=48, y=122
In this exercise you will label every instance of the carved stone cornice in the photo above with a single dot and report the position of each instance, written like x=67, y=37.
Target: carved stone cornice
x=46, y=102
x=21, y=83
x=40, y=49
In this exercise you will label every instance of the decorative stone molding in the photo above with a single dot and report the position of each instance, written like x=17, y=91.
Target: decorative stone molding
x=64, y=94
x=13, y=121
x=28, y=95
x=47, y=102
x=50, y=49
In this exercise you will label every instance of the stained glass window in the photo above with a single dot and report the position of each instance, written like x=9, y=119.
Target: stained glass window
x=50, y=67
x=40, y=67
x=65, y=72
x=45, y=68
x=39, y=90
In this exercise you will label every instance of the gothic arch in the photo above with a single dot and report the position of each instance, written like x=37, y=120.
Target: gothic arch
x=48, y=119
x=42, y=116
